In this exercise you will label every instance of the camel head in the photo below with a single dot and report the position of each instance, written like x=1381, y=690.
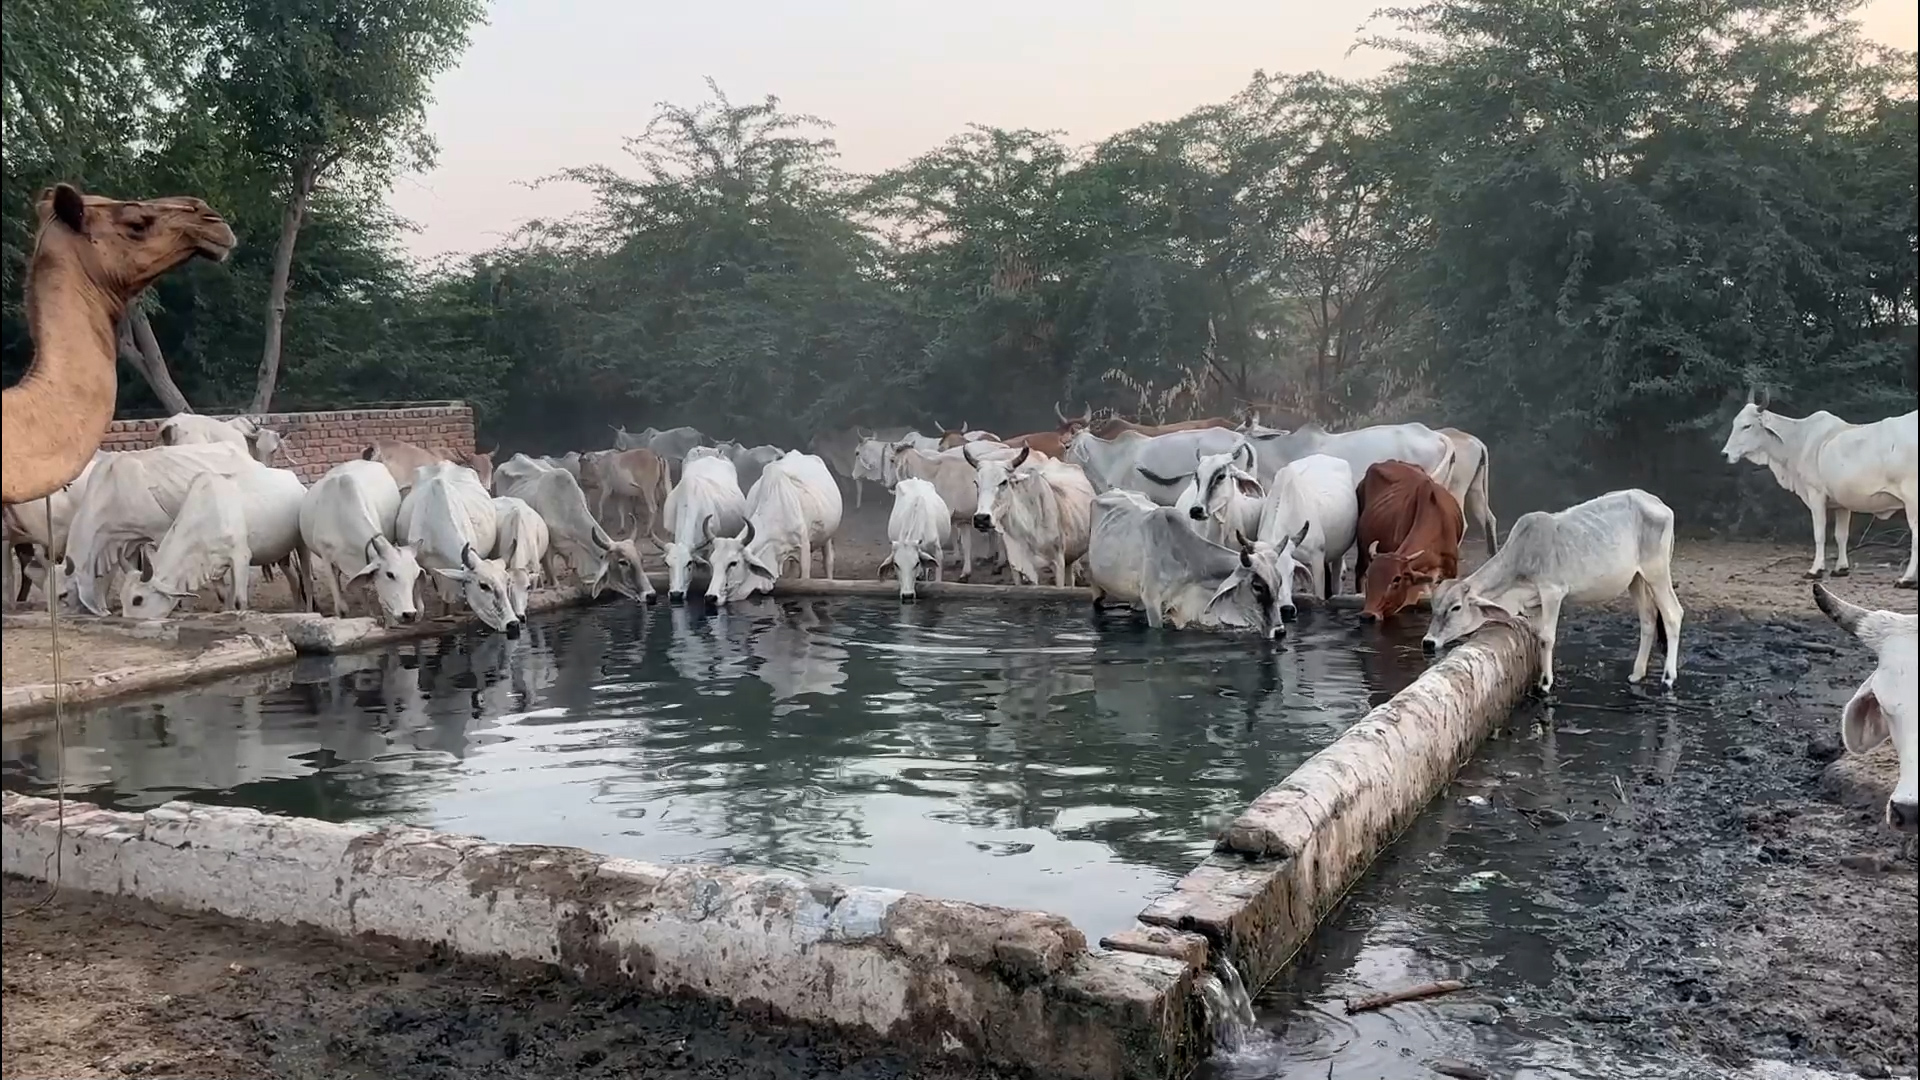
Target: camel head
x=130, y=243
x=91, y=257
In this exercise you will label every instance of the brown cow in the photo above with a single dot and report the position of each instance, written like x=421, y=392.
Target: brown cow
x=402, y=458
x=1050, y=443
x=626, y=480
x=1409, y=537
x=1109, y=425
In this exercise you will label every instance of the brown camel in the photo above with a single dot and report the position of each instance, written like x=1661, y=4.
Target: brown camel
x=92, y=256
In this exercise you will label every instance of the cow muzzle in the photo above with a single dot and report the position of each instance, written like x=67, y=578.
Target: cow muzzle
x=676, y=597
x=1288, y=612
x=983, y=522
x=1429, y=646
x=1368, y=616
x=408, y=618
x=1197, y=513
x=513, y=629
x=1903, y=816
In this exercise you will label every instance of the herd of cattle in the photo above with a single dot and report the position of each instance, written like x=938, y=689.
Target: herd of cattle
x=1208, y=523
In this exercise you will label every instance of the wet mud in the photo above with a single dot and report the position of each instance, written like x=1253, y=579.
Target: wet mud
x=1634, y=883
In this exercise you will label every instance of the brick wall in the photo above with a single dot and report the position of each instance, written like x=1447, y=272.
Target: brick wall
x=317, y=441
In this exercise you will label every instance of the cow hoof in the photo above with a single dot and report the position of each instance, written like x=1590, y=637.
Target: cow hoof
x=1842, y=571
x=1636, y=680
x=1907, y=583
x=1815, y=575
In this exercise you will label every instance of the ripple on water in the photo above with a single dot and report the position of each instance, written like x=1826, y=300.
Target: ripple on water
x=1020, y=755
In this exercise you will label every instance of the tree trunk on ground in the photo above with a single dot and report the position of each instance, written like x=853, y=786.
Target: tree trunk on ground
x=304, y=175
x=141, y=351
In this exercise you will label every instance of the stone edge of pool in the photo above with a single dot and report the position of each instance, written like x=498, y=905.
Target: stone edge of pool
x=939, y=976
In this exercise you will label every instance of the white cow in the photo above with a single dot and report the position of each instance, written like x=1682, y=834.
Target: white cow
x=919, y=529
x=43, y=524
x=207, y=541
x=348, y=521
x=1316, y=493
x=1589, y=553
x=186, y=429
x=795, y=505
x=1042, y=509
x=1456, y=460
x=1157, y=466
x=1147, y=556
x=600, y=561
x=1840, y=467
x=707, y=502
x=748, y=461
x=520, y=543
x=955, y=480
x=518, y=468
x=1224, y=497
x=1888, y=702
x=447, y=518
x=129, y=501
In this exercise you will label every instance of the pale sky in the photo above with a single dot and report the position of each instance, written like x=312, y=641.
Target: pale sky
x=547, y=85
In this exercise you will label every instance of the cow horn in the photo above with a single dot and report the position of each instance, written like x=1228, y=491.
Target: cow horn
x=370, y=551
x=1087, y=417
x=1373, y=549
x=1301, y=536
x=1058, y=413
x=466, y=556
x=1766, y=396
x=706, y=527
x=146, y=567
x=967, y=452
x=1846, y=615
x=1022, y=459
x=746, y=537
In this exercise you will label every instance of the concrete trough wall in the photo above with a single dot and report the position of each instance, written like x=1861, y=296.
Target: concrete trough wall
x=1014, y=987
x=1287, y=859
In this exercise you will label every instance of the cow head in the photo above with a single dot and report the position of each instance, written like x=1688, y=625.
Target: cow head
x=952, y=437
x=483, y=585
x=1262, y=585
x=1886, y=705
x=266, y=445
x=1395, y=581
x=393, y=571
x=992, y=478
x=870, y=459
x=1754, y=436
x=739, y=569
x=1071, y=424
x=482, y=465
x=142, y=597
x=681, y=559
x=1458, y=611
x=623, y=572
x=904, y=561
x=1219, y=478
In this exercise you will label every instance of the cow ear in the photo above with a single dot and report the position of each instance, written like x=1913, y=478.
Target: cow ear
x=1863, y=725
x=453, y=575
x=881, y=571
x=1227, y=586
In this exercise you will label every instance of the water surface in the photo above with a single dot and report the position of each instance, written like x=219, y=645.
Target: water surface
x=1025, y=755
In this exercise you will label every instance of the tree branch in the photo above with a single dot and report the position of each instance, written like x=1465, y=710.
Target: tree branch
x=141, y=350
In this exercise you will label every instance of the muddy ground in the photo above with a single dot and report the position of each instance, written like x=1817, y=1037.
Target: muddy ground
x=99, y=988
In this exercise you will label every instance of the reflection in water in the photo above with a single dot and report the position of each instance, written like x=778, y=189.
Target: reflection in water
x=1022, y=755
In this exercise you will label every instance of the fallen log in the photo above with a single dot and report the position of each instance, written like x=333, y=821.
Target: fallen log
x=1411, y=993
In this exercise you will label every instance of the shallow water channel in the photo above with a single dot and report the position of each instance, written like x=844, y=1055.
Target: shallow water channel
x=1019, y=754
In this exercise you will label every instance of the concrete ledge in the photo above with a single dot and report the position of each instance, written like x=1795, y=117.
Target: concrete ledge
x=1284, y=862
x=927, y=590
x=227, y=656
x=1012, y=987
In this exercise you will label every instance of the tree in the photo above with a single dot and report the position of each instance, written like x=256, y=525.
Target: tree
x=313, y=89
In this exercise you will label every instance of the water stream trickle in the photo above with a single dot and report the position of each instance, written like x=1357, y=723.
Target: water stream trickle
x=1229, y=1006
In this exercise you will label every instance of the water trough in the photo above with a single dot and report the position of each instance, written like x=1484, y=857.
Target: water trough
x=942, y=976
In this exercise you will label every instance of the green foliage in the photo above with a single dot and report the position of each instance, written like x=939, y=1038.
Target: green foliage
x=1572, y=226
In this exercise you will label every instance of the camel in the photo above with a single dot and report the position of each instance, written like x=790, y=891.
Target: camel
x=92, y=256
